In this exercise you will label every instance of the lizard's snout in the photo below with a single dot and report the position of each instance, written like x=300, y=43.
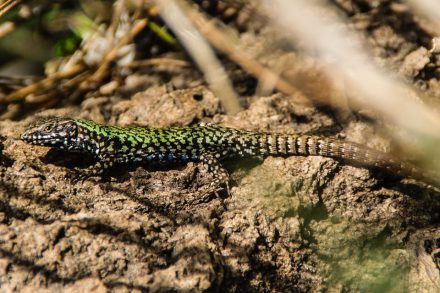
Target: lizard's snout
x=35, y=137
x=25, y=136
x=29, y=137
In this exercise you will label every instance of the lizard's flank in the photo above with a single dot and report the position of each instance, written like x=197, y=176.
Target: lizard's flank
x=206, y=143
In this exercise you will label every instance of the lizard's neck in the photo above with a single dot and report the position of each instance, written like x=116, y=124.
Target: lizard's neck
x=86, y=141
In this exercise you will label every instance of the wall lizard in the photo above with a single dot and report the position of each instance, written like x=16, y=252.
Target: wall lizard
x=206, y=143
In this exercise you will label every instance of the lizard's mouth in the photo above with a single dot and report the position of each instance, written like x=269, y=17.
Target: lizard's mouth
x=28, y=137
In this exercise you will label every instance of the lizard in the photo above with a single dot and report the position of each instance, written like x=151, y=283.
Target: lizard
x=207, y=143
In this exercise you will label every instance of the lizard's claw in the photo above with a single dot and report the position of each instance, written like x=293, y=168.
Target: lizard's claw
x=78, y=176
x=220, y=186
x=228, y=190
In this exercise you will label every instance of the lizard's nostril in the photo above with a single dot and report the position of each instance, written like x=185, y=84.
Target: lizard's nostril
x=26, y=136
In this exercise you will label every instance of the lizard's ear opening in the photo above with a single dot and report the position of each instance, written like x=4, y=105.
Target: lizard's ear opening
x=70, y=130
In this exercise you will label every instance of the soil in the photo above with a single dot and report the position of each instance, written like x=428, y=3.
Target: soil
x=297, y=224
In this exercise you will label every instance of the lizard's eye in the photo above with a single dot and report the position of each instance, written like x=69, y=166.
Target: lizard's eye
x=47, y=128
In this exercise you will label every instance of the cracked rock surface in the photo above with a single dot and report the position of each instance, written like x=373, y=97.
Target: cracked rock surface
x=288, y=224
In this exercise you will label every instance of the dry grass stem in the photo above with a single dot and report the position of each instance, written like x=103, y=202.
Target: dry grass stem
x=223, y=43
x=7, y=6
x=158, y=62
x=202, y=54
x=43, y=84
x=372, y=86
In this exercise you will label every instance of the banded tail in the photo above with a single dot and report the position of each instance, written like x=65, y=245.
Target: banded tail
x=267, y=144
x=303, y=145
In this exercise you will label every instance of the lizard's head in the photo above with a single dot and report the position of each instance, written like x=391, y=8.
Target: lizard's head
x=55, y=132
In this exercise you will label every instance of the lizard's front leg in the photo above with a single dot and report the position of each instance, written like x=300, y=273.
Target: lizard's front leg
x=103, y=163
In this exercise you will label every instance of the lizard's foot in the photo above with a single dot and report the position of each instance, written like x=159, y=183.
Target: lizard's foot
x=77, y=176
x=94, y=170
x=81, y=175
x=221, y=185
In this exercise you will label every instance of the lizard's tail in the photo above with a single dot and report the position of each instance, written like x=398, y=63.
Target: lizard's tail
x=302, y=145
x=246, y=143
